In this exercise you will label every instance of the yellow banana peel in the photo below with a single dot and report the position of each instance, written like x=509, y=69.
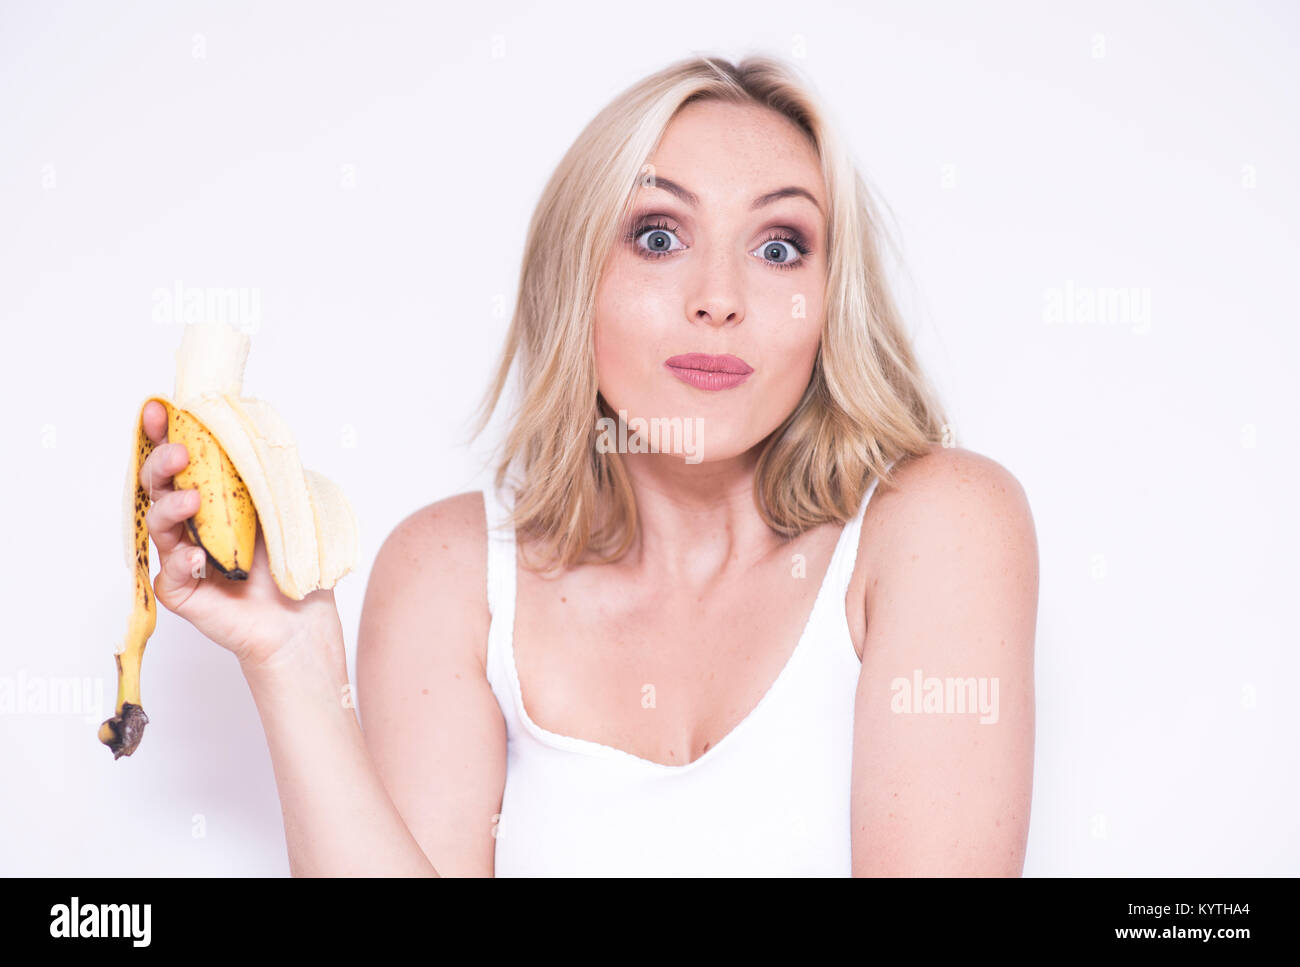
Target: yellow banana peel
x=244, y=462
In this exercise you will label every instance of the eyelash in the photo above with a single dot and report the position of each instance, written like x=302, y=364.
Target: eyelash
x=778, y=235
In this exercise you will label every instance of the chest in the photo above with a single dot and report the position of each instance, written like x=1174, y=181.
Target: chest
x=664, y=674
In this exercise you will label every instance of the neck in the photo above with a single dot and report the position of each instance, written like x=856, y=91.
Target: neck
x=696, y=522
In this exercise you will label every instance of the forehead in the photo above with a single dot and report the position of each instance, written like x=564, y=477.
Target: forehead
x=733, y=152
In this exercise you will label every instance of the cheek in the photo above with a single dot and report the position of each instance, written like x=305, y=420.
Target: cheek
x=623, y=337
x=794, y=345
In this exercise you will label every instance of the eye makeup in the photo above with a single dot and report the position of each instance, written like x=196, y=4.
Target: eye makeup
x=648, y=224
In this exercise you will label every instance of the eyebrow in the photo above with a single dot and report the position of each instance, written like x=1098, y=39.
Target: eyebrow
x=692, y=199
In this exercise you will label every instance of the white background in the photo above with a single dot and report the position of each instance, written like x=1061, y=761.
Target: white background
x=369, y=170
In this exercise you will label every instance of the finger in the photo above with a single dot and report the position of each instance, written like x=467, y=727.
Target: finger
x=179, y=574
x=158, y=469
x=155, y=421
x=165, y=518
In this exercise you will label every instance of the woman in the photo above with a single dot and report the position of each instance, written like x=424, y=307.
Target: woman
x=632, y=655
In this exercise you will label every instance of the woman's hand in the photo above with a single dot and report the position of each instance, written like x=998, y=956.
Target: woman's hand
x=250, y=618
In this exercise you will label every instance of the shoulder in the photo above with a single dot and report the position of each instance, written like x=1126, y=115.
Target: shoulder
x=951, y=616
x=446, y=539
x=432, y=567
x=946, y=494
x=951, y=515
x=451, y=528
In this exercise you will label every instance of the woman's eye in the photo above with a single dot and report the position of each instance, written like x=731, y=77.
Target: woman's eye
x=658, y=241
x=783, y=253
x=655, y=241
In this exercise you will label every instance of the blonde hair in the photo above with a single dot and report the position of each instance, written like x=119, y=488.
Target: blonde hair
x=866, y=405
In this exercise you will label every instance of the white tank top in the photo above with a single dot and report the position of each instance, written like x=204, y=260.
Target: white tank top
x=771, y=798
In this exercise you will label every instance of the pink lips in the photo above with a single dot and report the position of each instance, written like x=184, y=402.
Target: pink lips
x=709, y=372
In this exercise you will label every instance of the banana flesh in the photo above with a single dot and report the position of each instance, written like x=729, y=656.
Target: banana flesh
x=243, y=460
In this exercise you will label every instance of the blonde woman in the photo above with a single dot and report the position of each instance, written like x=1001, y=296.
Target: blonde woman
x=790, y=634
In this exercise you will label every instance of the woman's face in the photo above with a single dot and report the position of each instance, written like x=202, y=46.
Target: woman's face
x=723, y=255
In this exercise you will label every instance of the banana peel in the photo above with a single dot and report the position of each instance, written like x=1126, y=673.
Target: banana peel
x=243, y=459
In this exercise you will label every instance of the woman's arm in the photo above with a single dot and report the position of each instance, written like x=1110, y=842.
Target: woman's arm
x=423, y=783
x=942, y=775
x=338, y=818
x=432, y=723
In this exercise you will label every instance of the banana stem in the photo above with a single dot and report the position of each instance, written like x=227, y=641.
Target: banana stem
x=123, y=731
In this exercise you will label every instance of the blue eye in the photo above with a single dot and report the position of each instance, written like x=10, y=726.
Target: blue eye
x=774, y=247
x=658, y=236
x=779, y=250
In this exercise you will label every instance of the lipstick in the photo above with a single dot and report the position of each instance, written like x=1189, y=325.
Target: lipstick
x=709, y=372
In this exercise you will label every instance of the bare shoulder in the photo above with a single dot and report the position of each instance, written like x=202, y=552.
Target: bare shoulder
x=943, y=503
x=944, y=497
x=954, y=474
x=451, y=528
x=433, y=566
x=432, y=724
x=952, y=599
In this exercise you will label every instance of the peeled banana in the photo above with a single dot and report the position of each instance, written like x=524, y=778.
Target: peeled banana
x=244, y=462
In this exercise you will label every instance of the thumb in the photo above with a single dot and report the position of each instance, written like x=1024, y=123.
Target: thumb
x=179, y=574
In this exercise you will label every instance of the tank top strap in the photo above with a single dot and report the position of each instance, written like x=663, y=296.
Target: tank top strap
x=501, y=564
x=845, y=556
x=500, y=550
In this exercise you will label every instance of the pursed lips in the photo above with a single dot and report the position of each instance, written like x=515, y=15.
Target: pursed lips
x=709, y=372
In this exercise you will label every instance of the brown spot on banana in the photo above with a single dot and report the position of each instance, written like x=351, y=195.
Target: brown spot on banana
x=225, y=526
x=123, y=731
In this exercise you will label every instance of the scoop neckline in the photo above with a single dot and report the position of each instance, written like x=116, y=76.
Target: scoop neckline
x=591, y=747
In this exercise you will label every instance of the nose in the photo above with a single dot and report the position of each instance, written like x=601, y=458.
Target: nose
x=718, y=311
x=718, y=300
